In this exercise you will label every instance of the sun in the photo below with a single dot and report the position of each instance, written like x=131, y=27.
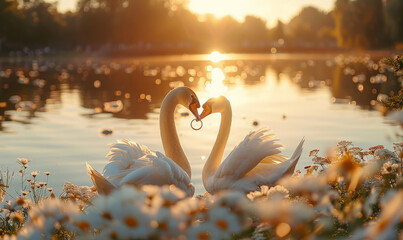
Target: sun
x=215, y=57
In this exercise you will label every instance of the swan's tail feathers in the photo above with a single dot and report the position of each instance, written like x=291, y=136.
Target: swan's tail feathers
x=102, y=184
x=295, y=157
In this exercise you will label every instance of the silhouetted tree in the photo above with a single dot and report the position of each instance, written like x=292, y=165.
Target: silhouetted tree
x=278, y=31
x=254, y=30
x=154, y=25
x=394, y=19
x=359, y=23
x=43, y=23
x=308, y=26
x=11, y=22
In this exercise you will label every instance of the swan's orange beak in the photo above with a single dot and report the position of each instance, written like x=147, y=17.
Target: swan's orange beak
x=206, y=112
x=193, y=109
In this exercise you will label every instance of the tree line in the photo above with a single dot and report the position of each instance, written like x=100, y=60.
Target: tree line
x=168, y=25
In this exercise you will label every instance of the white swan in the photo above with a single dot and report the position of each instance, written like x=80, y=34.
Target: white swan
x=254, y=162
x=133, y=163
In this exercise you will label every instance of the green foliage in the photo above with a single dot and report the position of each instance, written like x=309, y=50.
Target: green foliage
x=394, y=102
x=396, y=63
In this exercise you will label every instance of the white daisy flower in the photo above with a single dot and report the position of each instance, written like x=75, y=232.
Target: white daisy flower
x=204, y=231
x=291, y=212
x=94, y=218
x=127, y=195
x=169, y=223
x=130, y=222
x=23, y=161
x=190, y=209
x=231, y=199
x=34, y=173
x=389, y=168
x=259, y=193
x=278, y=192
x=226, y=221
x=306, y=186
x=269, y=193
x=168, y=196
x=237, y=202
x=50, y=214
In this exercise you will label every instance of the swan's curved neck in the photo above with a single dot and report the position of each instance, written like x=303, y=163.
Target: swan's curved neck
x=169, y=136
x=214, y=160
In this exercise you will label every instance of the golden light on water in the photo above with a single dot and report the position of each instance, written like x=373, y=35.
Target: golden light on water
x=216, y=87
x=216, y=56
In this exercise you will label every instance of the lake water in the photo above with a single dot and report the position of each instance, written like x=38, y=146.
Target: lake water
x=324, y=98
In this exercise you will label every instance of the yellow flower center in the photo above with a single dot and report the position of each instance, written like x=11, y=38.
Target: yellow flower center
x=131, y=222
x=203, y=236
x=106, y=215
x=163, y=226
x=113, y=235
x=18, y=217
x=167, y=203
x=83, y=226
x=222, y=224
x=20, y=201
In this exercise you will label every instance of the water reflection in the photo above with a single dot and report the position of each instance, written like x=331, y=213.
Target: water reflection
x=133, y=88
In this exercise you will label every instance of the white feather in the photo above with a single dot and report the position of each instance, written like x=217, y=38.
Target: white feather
x=254, y=162
x=133, y=163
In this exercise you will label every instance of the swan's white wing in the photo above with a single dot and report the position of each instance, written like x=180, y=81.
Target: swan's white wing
x=114, y=172
x=180, y=178
x=256, y=146
x=295, y=157
x=102, y=184
x=265, y=173
x=163, y=171
x=133, y=163
x=126, y=152
x=268, y=174
x=273, y=159
x=112, y=169
x=159, y=173
x=124, y=156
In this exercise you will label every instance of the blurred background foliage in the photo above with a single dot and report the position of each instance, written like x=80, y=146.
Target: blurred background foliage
x=168, y=26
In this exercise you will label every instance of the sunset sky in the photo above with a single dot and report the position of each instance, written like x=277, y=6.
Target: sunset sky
x=270, y=10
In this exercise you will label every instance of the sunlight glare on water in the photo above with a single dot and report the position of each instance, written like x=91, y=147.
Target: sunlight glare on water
x=216, y=56
x=216, y=87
